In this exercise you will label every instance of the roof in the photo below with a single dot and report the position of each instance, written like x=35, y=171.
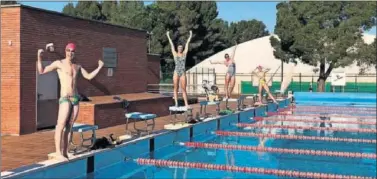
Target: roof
x=61, y=14
x=260, y=52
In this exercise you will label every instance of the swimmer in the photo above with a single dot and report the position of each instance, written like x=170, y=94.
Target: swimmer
x=230, y=78
x=68, y=103
x=180, y=68
x=261, y=74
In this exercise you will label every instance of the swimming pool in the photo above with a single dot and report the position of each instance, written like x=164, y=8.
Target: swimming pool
x=248, y=145
x=267, y=160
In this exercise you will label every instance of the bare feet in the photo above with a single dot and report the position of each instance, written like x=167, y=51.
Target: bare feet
x=61, y=158
x=66, y=155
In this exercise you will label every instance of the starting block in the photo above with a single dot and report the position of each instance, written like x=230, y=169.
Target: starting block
x=52, y=156
x=81, y=128
x=179, y=109
x=253, y=97
x=138, y=116
x=240, y=103
x=208, y=103
x=176, y=126
x=226, y=100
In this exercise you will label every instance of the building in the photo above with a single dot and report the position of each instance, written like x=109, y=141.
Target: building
x=28, y=99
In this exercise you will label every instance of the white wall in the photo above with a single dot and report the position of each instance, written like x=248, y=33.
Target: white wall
x=260, y=52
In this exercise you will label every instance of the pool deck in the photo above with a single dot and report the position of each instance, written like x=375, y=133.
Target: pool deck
x=18, y=151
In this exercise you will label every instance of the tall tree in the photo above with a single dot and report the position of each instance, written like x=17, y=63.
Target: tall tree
x=243, y=31
x=210, y=34
x=129, y=13
x=70, y=9
x=321, y=33
x=85, y=9
x=366, y=56
x=107, y=9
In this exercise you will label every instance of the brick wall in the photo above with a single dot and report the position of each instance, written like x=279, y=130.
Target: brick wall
x=154, y=68
x=37, y=28
x=112, y=114
x=10, y=70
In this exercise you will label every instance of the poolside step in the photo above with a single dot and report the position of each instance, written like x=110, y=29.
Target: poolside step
x=51, y=156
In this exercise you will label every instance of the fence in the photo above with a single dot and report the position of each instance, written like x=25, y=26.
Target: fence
x=244, y=82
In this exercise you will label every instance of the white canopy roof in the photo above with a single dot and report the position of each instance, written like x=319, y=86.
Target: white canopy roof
x=260, y=52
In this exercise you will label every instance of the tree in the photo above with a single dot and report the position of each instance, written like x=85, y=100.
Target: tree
x=210, y=34
x=108, y=9
x=366, y=56
x=69, y=9
x=85, y=9
x=321, y=33
x=130, y=14
x=243, y=31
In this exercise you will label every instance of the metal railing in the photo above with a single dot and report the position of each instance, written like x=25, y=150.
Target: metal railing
x=244, y=82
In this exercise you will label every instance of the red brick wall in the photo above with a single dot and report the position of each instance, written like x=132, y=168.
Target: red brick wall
x=154, y=68
x=37, y=28
x=10, y=70
x=112, y=114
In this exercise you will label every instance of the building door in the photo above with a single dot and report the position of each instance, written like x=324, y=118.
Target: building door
x=47, y=98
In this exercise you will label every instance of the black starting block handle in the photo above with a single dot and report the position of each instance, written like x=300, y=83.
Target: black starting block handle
x=124, y=102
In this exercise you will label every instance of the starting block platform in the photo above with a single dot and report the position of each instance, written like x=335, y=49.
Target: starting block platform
x=176, y=126
x=81, y=128
x=52, y=156
x=174, y=110
x=149, y=121
x=204, y=104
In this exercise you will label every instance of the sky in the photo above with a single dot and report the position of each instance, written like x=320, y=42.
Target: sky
x=229, y=11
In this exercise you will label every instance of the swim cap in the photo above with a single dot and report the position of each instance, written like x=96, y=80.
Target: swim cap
x=71, y=46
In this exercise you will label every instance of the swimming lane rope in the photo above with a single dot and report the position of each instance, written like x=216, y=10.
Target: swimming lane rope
x=334, y=111
x=289, y=113
x=335, y=108
x=316, y=121
x=280, y=150
x=307, y=127
x=208, y=166
x=294, y=137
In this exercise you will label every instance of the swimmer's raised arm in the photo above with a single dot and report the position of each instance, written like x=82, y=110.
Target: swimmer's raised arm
x=253, y=72
x=187, y=43
x=234, y=52
x=94, y=73
x=49, y=68
x=171, y=44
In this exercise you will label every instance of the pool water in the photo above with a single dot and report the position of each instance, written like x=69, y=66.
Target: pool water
x=282, y=161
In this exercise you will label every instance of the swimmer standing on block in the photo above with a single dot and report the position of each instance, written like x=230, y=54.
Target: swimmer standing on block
x=180, y=68
x=69, y=100
x=261, y=74
x=230, y=78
